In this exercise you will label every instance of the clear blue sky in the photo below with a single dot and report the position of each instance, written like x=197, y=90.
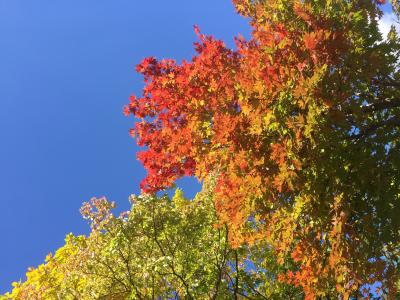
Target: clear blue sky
x=66, y=70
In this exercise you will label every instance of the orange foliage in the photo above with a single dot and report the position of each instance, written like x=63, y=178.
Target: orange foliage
x=261, y=117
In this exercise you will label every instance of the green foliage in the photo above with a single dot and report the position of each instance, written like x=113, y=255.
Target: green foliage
x=302, y=123
x=160, y=249
x=301, y=127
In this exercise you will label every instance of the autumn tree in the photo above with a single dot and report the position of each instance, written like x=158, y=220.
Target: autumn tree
x=161, y=249
x=302, y=125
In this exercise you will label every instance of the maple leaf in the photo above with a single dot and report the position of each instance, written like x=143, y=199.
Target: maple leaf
x=274, y=119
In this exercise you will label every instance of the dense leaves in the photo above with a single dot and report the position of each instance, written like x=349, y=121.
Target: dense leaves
x=160, y=249
x=301, y=124
x=296, y=136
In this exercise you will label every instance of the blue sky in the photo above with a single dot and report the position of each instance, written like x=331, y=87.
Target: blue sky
x=67, y=69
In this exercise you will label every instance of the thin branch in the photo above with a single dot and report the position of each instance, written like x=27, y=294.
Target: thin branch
x=385, y=104
x=164, y=253
x=394, y=121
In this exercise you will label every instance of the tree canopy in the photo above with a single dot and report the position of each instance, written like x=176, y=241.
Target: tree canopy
x=295, y=135
x=161, y=249
x=301, y=124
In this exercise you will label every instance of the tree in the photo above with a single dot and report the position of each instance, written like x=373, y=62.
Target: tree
x=301, y=123
x=160, y=249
